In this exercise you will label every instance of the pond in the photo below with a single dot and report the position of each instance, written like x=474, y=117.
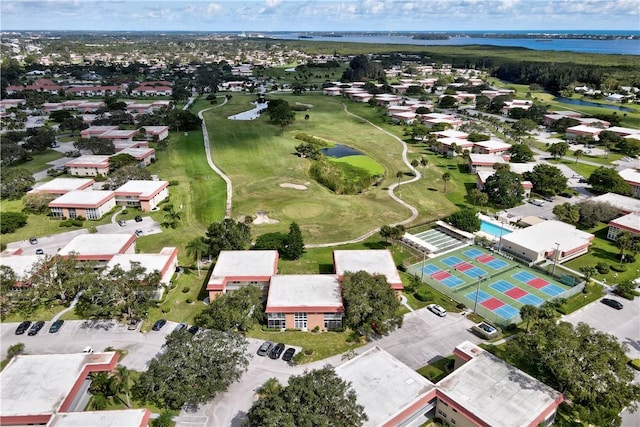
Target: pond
x=339, y=150
x=592, y=104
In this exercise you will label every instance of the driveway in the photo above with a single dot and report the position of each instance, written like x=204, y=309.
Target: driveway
x=623, y=324
x=147, y=225
x=75, y=335
x=424, y=337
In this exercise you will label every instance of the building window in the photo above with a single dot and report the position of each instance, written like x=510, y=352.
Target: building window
x=72, y=212
x=333, y=320
x=453, y=421
x=442, y=414
x=276, y=320
x=56, y=212
x=300, y=320
x=93, y=213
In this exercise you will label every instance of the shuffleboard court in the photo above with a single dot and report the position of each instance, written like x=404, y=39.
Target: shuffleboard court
x=474, y=253
x=523, y=276
x=552, y=290
x=529, y=299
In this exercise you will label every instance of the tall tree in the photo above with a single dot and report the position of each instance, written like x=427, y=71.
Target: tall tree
x=446, y=177
x=424, y=162
x=558, y=149
x=521, y=153
x=606, y=180
x=41, y=139
x=239, y=310
x=228, y=235
x=478, y=197
x=196, y=248
x=193, y=369
x=567, y=212
x=370, y=303
x=466, y=220
x=577, y=154
x=316, y=398
x=504, y=188
x=293, y=247
x=547, y=179
x=597, y=384
x=14, y=182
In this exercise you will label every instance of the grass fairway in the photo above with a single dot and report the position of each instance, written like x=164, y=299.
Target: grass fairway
x=258, y=157
x=363, y=162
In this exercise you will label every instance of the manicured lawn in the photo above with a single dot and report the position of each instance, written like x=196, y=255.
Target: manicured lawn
x=322, y=344
x=40, y=161
x=603, y=250
x=42, y=313
x=363, y=162
x=593, y=292
x=437, y=370
x=579, y=168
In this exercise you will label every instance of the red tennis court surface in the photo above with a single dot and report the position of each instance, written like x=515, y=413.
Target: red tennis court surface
x=440, y=275
x=485, y=258
x=463, y=266
x=492, y=303
x=516, y=293
x=537, y=283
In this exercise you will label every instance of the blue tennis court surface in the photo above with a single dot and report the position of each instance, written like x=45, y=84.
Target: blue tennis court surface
x=506, y=311
x=451, y=281
x=473, y=253
x=475, y=272
x=523, y=276
x=482, y=296
x=451, y=261
x=430, y=269
x=552, y=290
x=531, y=300
x=501, y=286
x=497, y=264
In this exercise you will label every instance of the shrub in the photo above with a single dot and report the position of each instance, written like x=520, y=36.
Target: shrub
x=602, y=267
x=297, y=359
x=189, y=301
x=165, y=310
x=423, y=294
x=308, y=351
x=15, y=350
x=11, y=221
x=629, y=259
x=185, y=290
x=316, y=329
x=619, y=269
x=174, y=182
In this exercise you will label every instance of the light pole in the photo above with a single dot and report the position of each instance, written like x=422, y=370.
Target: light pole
x=424, y=256
x=500, y=240
x=477, y=292
x=555, y=259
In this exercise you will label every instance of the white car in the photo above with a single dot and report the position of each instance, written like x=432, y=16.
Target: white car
x=87, y=350
x=436, y=309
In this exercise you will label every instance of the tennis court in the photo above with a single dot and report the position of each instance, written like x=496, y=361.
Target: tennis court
x=496, y=286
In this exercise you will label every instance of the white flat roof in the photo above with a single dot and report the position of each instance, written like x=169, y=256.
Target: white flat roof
x=244, y=264
x=305, y=290
x=451, y=133
x=372, y=261
x=496, y=392
x=493, y=144
x=544, y=236
x=88, y=160
x=150, y=262
x=486, y=158
x=83, y=198
x=38, y=384
x=64, y=184
x=521, y=168
x=384, y=386
x=624, y=203
x=630, y=175
x=22, y=265
x=630, y=221
x=143, y=188
x=137, y=152
x=585, y=129
x=97, y=244
x=119, y=418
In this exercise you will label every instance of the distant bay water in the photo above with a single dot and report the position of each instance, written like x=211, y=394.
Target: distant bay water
x=625, y=46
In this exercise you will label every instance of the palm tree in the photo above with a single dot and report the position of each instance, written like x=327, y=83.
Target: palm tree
x=195, y=248
x=121, y=379
x=578, y=154
x=171, y=218
x=528, y=313
x=623, y=241
x=415, y=163
x=399, y=175
x=424, y=162
x=99, y=402
x=446, y=177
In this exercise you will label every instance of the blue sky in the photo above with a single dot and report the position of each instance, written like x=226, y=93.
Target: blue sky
x=319, y=15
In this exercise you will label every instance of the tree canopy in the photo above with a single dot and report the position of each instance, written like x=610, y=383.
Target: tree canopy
x=228, y=235
x=316, y=398
x=607, y=180
x=521, y=153
x=193, y=369
x=14, y=182
x=370, y=303
x=239, y=309
x=293, y=245
x=589, y=367
x=362, y=68
x=592, y=212
x=466, y=220
x=11, y=221
x=504, y=188
x=547, y=179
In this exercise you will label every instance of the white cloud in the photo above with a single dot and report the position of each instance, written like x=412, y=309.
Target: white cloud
x=213, y=9
x=272, y=3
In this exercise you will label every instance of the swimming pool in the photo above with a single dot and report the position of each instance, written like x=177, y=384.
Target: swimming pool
x=493, y=229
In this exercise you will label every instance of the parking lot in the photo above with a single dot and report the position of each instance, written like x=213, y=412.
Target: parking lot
x=623, y=324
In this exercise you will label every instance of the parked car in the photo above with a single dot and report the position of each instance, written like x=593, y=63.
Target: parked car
x=436, y=309
x=612, y=303
x=288, y=355
x=179, y=327
x=39, y=251
x=138, y=232
x=35, y=328
x=158, y=325
x=22, y=327
x=264, y=348
x=276, y=351
x=55, y=326
x=87, y=349
x=193, y=329
x=138, y=218
x=122, y=223
x=33, y=241
x=133, y=324
x=537, y=202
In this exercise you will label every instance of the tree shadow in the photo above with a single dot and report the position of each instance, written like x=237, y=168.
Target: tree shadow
x=325, y=269
x=377, y=245
x=239, y=419
x=432, y=189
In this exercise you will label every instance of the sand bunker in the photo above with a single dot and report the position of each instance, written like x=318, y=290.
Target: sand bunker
x=263, y=218
x=294, y=186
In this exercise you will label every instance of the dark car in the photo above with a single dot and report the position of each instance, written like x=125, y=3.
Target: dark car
x=138, y=232
x=264, y=348
x=612, y=303
x=276, y=351
x=193, y=329
x=180, y=327
x=158, y=325
x=22, y=327
x=33, y=241
x=55, y=326
x=39, y=251
x=138, y=218
x=288, y=355
x=35, y=328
